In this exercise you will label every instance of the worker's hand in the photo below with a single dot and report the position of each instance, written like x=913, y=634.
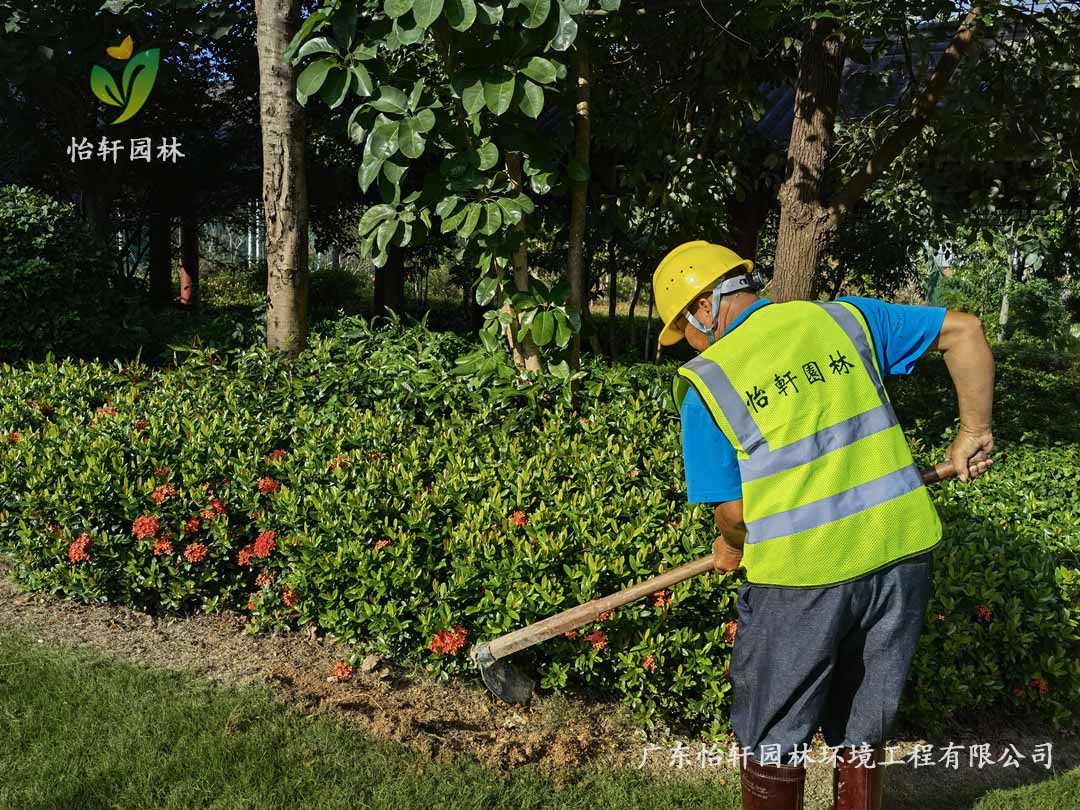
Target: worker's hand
x=725, y=557
x=970, y=453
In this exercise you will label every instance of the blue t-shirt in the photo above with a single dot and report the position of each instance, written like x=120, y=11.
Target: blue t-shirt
x=901, y=333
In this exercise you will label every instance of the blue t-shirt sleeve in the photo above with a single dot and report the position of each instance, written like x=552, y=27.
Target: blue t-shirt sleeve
x=902, y=332
x=712, y=469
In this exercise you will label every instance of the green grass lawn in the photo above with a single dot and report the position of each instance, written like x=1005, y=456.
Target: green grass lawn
x=82, y=732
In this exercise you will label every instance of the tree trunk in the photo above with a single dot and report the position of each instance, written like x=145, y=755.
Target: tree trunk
x=160, y=272
x=613, y=298
x=746, y=219
x=390, y=283
x=189, y=261
x=525, y=353
x=335, y=257
x=285, y=202
x=579, y=194
x=1003, y=315
x=804, y=217
x=474, y=310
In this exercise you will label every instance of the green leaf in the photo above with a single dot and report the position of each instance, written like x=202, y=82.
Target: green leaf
x=307, y=28
x=414, y=94
x=369, y=170
x=104, y=86
x=511, y=211
x=312, y=77
x=563, y=333
x=461, y=14
x=540, y=70
x=446, y=206
x=472, y=217
x=560, y=370
x=427, y=11
x=137, y=81
x=316, y=45
x=408, y=34
x=335, y=88
x=470, y=87
x=489, y=15
x=538, y=11
x=574, y=6
x=486, y=289
x=487, y=156
x=578, y=171
x=390, y=100
x=410, y=141
x=451, y=222
x=395, y=8
x=610, y=5
x=425, y=121
x=383, y=142
x=363, y=79
x=532, y=99
x=385, y=234
x=492, y=219
x=524, y=202
x=543, y=328
x=392, y=172
x=499, y=91
x=373, y=216
x=565, y=31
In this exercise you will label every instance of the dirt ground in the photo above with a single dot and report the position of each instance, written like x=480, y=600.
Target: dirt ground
x=559, y=734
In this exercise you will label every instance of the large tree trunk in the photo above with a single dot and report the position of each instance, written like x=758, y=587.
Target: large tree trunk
x=579, y=194
x=746, y=219
x=160, y=274
x=390, y=283
x=284, y=180
x=525, y=353
x=189, y=261
x=804, y=217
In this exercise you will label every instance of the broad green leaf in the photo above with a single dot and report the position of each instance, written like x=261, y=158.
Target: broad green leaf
x=446, y=206
x=560, y=370
x=522, y=301
x=384, y=140
x=540, y=70
x=512, y=212
x=578, y=172
x=565, y=31
x=472, y=217
x=410, y=141
x=137, y=81
x=104, y=86
x=390, y=100
x=574, y=6
x=489, y=15
x=524, y=202
x=369, y=170
x=425, y=120
x=538, y=11
x=563, y=332
x=392, y=172
x=356, y=131
x=307, y=28
x=395, y=8
x=312, y=77
x=492, y=219
x=427, y=11
x=461, y=14
x=469, y=85
x=316, y=45
x=486, y=289
x=385, y=234
x=610, y=5
x=414, y=94
x=363, y=79
x=543, y=328
x=408, y=34
x=532, y=99
x=335, y=88
x=373, y=216
x=487, y=156
x=499, y=91
x=451, y=222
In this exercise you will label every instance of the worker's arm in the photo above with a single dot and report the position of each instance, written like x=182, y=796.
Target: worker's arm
x=727, y=549
x=971, y=366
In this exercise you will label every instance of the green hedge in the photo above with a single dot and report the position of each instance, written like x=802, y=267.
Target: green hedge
x=405, y=501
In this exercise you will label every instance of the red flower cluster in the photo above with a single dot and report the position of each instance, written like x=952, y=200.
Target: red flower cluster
x=288, y=597
x=376, y=456
x=244, y=557
x=106, y=410
x=264, y=578
x=381, y=544
x=162, y=546
x=141, y=424
x=984, y=613
x=195, y=552
x=191, y=525
x=448, y=642
x=570, y=634
x=55, y=528
x=13, y=436
x=342, y=671
x=215, y=508
x=145, y=526
x=163, y=492
x=1018, y=691
x=162, y=472
x=264, y=544
x=649, y=663
x=1041, y=685
x=598, y=638
x=277, y=455
x=604, y=615
x=268, y=484
x=78, y=551
x=251, y=605
x=519, y=518
x=662, y=599
x=339, y=461
x=730, y=629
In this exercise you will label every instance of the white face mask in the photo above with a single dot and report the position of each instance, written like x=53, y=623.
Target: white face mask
x=725, y=287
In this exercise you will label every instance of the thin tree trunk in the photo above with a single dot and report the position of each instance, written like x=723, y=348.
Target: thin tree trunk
x=160, y=273
x=390, y=283
x=804, y=218
x=613, y=296
x=579, y=194
x=335, y=257
x=525, y=353
x=285, y=202
x=189, y=261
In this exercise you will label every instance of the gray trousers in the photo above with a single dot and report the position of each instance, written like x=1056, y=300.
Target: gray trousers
x=836, y=657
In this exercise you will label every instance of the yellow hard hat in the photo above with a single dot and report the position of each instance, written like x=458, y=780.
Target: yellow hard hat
x=685, y=273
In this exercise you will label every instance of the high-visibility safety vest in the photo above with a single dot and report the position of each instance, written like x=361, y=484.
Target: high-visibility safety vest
x=830, y=490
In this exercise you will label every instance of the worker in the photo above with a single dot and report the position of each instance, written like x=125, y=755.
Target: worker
x=788, y=429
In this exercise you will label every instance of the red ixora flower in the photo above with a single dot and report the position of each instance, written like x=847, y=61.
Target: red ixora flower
x=277, y=455
x=106, y=410
x=78, y=550
x=251, y=604
x=598, y=638
x=288, y=597
x=520, y=518
x=376, y=456
x=1041, y=685
x=268, y=484
x=162, y=546
x=984, y=613
x=264, y=544
x=264, y=578
x=163, y=492
x=662, y=599
x=13, y=436
x=1018, y=691
x=244, y=557
x=730, y=629
x=191, y=525
x=338, y=461
x=381, y=544
x=342, y=671
x=570, y=634
x=195, y=552
x=55, y=528
x=213, y=509
x=141, y=424
x=649, y=662
x=145, y=526
x=448, y=642
x=162, y=472
x=604, y=615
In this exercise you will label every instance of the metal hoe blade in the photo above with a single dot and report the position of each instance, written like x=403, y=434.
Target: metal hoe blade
x=500, y=676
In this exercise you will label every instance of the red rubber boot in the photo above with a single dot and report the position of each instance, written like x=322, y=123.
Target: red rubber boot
x=771, y=787
x=858, y=788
